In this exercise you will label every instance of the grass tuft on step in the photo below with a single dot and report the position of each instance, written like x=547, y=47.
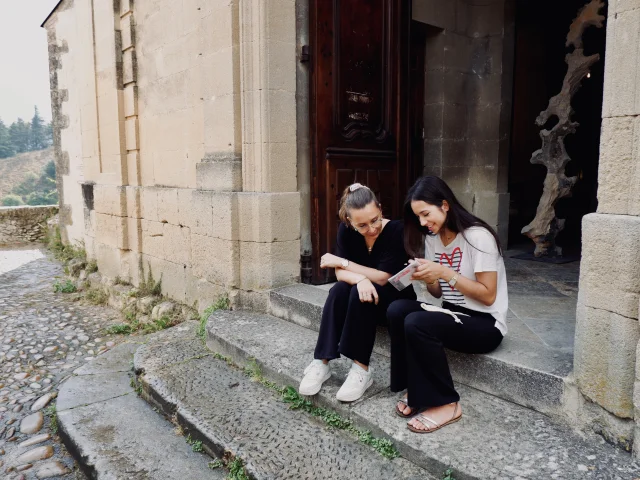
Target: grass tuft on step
x=448, y=475
x=237, y=470
x=196, y=445
x=222, y=303
x=331, y=418
x=234, y=465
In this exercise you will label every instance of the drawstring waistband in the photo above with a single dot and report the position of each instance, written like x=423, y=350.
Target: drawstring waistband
x=433, y=308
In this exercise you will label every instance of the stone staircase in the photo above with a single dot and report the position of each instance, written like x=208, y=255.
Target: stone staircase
x=496, y=438
x=506, y=431
x=526, y=373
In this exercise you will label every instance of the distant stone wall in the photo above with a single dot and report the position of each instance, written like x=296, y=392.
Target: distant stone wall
x=24, y=224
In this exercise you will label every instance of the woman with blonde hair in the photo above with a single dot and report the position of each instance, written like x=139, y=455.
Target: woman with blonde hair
x=369, y=250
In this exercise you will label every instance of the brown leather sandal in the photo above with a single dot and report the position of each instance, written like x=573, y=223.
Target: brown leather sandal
x=400, y=413
x=423, y=419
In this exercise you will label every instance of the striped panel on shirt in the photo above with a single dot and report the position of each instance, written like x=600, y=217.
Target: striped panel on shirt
x=450, y=294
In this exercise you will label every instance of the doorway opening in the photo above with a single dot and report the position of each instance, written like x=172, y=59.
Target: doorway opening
x=539, y=70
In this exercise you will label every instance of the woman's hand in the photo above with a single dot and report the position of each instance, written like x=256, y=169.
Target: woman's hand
x=330, y=261
x=427, y=271
x=367, y=291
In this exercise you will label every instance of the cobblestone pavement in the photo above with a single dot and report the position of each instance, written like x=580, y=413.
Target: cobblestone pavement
x=44, y=337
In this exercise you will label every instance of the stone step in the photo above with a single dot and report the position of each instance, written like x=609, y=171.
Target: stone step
x=114, y=434
x=222, y=407
x=523, y=372
x=494, y=439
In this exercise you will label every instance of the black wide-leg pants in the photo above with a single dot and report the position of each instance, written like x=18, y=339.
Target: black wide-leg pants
x=348, y=325
x=418, y=340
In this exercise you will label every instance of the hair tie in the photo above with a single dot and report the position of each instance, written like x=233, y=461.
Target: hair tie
x=355, y=186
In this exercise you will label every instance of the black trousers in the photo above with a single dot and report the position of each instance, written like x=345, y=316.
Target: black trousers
x=418, y=340
x=348, y=325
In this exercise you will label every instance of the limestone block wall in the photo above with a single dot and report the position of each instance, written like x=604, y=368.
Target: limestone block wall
x=67, y=76
x=24, y=224
x=607, y=330
x=170, y=101
x=468, y=90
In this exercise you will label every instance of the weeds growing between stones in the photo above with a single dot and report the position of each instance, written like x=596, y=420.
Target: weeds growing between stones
x=235, y=467
x=52, y=413
x=448, y=475
x=237, y=470
x=136, y=386
x=96, y=296
x=66, y=286
x=64, y=253
x=222, y=303
x=331, y=418
x=92, y=267
x=149, y=286
x=196, y=445
x=119, y=329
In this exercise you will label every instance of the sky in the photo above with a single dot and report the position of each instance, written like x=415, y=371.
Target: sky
x=24, y=62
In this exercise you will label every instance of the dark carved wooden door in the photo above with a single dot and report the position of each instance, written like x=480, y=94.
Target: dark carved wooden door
x=359, y=116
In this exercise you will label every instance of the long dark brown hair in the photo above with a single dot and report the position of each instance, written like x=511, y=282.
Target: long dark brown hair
x=434, y=191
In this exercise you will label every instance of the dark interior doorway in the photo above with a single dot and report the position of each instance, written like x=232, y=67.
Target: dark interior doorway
x=541, y=29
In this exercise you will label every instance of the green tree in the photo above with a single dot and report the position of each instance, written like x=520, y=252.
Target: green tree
x=38, y=138
x=27, y=186
x=6, y=149
x=48, y=134
x=34, y=190
x=43, y=198
x=12, y=201
x=20, y=133
x=50, y=170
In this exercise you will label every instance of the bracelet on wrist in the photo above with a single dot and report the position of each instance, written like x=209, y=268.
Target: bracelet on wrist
x=361, y=280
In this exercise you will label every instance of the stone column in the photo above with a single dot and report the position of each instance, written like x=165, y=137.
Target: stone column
x=114, y=58
x=607, y=330
x=269, y=204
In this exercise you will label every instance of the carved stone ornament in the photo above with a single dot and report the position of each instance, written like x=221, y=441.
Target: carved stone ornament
x=545, y=227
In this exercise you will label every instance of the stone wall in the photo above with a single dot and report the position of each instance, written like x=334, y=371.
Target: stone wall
x=607, y=330
x=20, y=225
x=468, y=90
x=184, y=117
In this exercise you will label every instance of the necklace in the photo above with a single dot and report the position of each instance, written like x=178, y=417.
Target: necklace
x=369, y=248
x=449, y=236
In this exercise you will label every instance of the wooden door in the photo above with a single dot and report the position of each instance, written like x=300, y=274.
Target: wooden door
x=359, y=115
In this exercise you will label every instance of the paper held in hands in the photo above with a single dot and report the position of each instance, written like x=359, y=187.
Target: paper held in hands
x=402, y=279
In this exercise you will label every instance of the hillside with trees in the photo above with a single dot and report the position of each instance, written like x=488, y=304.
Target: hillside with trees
x=21, y=136
x=27, y=169
x=28, y=179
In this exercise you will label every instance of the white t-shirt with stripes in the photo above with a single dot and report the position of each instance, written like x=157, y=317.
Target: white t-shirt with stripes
x=478, y=253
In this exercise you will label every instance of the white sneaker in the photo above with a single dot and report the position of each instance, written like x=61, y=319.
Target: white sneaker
x=355, y=385
x=314, y=376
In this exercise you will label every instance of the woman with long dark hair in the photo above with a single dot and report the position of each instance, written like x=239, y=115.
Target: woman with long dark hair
x=369, y=251
x=462, y=264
